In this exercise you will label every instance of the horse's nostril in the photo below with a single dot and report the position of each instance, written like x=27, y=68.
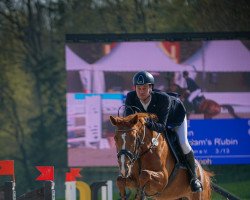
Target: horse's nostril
x=123, y=172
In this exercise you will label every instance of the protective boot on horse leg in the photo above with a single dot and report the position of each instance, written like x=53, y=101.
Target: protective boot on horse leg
x=195, y=183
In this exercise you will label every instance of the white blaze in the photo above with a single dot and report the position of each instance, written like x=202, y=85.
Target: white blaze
x=123, y=171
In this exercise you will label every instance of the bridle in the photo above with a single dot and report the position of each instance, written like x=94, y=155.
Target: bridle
x=136, y=154
x=133, y=156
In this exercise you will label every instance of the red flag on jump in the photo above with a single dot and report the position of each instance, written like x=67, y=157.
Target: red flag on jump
x=74, y=172
x=6, y=167
x=47, y=173
x=69, y=177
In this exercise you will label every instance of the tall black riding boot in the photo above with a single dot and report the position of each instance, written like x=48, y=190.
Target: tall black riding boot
x=195, y=183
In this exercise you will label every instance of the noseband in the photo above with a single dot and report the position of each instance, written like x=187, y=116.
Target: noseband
x=133, y=156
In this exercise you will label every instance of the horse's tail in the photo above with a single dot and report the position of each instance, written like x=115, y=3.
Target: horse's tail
x=208, y=183
x=230, y=110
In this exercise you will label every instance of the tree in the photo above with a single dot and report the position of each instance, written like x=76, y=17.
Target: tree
x=32, y=78
x=32, y=85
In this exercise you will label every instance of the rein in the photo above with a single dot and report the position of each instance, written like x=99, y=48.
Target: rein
x=135, y=155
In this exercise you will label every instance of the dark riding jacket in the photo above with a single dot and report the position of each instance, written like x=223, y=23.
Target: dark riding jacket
x=191, y=85
x=169, y=109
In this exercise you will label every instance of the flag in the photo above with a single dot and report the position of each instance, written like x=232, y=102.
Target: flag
x=47, y=173
x=74, y=172
x=6, y=167
x=70, y=177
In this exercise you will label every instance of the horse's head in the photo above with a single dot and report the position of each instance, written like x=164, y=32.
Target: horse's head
x=129, y=136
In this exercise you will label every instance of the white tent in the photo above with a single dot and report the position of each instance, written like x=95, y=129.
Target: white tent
x=75, y=63
x=221, y=56
x=134, y=56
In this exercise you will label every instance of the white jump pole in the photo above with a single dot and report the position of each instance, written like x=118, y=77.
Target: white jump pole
x=107, y=191
x=70, y=191
x=110, y=189
x=104, y=192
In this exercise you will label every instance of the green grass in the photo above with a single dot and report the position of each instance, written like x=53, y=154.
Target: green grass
x=233, y=178
x=239, y=189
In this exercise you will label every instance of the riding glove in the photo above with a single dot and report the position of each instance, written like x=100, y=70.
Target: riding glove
x=154, y=126
x=149, y=123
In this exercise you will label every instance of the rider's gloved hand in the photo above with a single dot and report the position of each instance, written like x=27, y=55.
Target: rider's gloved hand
x=149, y=123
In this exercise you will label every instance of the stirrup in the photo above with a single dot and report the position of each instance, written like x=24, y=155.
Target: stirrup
x=196, y=185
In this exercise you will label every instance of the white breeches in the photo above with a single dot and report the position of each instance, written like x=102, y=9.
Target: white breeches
x=194, y=94
x=182, y=135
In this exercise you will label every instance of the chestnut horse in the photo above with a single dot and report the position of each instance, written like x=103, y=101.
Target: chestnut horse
x=202, y=105
x=147, y=164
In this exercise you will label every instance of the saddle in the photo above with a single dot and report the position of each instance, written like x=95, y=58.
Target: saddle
x=175, y=148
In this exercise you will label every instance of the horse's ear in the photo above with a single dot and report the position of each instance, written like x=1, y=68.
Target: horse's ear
x=113, y=120
x=134, y=120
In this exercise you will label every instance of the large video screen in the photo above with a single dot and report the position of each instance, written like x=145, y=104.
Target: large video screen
x=99, y=75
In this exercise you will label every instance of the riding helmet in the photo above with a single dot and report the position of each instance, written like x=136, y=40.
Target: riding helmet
x=143, y=77
x=185, y=73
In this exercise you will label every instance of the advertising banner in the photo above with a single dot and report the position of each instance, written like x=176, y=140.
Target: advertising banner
x=220, y=141
x=212, y=79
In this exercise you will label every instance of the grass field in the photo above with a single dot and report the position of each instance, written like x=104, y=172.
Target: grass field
x=233, y=178
x=240, y=189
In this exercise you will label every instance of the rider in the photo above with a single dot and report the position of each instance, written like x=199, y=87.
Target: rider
x=170, y=112
x=195, y=94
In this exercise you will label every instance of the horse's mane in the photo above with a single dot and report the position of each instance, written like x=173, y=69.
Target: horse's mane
x=142, y=115
x=129, y=120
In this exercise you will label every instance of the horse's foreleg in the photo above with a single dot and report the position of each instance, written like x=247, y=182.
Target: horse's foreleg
x=122, y=183
x=140, y=195
x=152, y=182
